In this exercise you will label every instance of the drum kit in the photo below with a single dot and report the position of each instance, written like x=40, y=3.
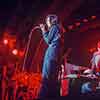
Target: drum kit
x=83, y=75
x=77, y=80
x=86, y=74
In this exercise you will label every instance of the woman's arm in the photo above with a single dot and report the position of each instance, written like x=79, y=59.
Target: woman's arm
x=48, y=36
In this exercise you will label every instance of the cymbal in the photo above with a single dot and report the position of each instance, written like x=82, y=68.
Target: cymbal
x=88, y=71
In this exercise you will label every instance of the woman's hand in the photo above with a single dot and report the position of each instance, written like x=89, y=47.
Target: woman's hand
x=43, y=28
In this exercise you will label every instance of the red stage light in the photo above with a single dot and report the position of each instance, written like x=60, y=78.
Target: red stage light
x=70, y=27
x=77, y=23
x=21, y=53
x=5, y=41
x=15, y=52
x=85, y=20
x=93, y=17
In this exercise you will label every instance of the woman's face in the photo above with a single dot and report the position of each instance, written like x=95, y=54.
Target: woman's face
x=48, y=22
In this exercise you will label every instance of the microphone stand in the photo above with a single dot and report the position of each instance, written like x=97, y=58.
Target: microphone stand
x=27, y=47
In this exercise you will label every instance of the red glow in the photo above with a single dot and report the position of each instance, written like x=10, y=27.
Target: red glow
x=92, y=50
x=93, y=17
x=21, y=53
x=70, y=27
x=77, y=23
x=15, y=52
x=5, y=41
x=85, y=20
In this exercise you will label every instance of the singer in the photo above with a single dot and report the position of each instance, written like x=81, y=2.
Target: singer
x=52, y=37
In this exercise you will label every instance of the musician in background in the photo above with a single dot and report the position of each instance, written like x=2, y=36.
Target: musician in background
x=52, y=37
x=96, y=60
x=95, y=69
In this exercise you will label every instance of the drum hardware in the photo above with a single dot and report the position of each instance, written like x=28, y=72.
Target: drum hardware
x=98, y=87
x=74, y=76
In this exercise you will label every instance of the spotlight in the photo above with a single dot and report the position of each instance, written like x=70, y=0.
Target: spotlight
x=15, y=52
x=5, y=41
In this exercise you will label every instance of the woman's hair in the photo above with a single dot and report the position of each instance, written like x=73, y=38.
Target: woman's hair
x=53, y=19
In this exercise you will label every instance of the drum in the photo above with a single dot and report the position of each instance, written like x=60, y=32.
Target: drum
x=76, y=84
